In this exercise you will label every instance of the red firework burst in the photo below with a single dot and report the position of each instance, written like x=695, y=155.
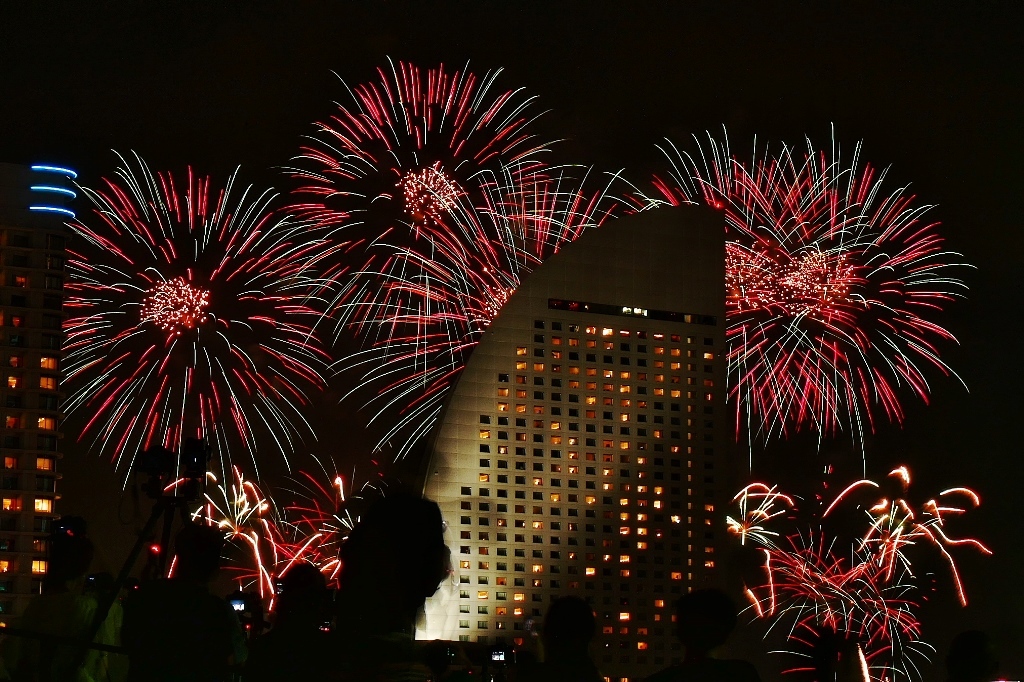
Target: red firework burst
x=188, y=316
x=833, y=287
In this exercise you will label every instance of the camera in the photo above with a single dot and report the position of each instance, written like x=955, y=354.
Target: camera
x=502, y=657
x=248, y=608
x=162, y=466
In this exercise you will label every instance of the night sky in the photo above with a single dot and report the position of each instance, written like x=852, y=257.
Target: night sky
x=933, y=89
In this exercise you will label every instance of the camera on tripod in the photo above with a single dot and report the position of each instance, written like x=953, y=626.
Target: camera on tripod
x=173, y=475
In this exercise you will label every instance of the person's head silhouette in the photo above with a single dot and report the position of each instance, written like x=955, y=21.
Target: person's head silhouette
x=568, y=628
x=971, y=658
x=391, y=562
x=303, y=601
x=704, y=620
x=197, y=552
x=70, y=557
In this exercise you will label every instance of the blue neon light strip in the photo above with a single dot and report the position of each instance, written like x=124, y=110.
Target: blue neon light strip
x=52, y=209
x=50, y=188
x=56, y=169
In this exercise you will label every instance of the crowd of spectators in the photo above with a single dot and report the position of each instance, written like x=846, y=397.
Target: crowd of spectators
x=177, y=630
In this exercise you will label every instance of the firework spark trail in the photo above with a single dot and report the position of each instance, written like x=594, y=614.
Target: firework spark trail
x=895, y=524
x=769, y=503
x=250, y=522
x=832, y=286
x=188, y=315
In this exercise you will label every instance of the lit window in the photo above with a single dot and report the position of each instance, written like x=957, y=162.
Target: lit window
x=520, y=350
x=47, y=423
x=502, y=407
x=642, y=646
x=624, y=616
x=44, y=505
x=5, y=566
x=607, y=331
x=521, y=364
x=47, y=362
x=13, y=382
x=676, y=575
x=518, y=596
x=709, y=356
x=482, y=594
x=10, y=462
x=485, y=433
x=42, y=463
x=591, y=571
x=485, y=478
x=502, y=392
x=48, y=383
x=12, y=504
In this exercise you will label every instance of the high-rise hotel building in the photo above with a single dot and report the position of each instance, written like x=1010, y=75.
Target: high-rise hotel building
x=581, y=449
x=33, y=208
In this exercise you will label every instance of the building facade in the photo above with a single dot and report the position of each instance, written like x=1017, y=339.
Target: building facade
x=579, y=451
x=33, y=207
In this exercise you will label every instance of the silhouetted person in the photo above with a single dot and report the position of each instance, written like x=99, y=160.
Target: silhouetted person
x=294, y=648
x=174, y=629
x=64, y=610
x=972, y=658
x=835, y=655
x=390, y=563
x=569, y=627
x=704, y=620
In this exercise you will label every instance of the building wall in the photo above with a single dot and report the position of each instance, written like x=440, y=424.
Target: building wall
x=579, y=450
x=32, y=254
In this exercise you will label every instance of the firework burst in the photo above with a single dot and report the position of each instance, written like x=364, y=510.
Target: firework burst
x=833, y=286
x=896, y=524
x=809, y=590
x=188, y=316
x=403, y=150
x=853, y=590
x=265, y=538
x=421, y=305
x=322, y=514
